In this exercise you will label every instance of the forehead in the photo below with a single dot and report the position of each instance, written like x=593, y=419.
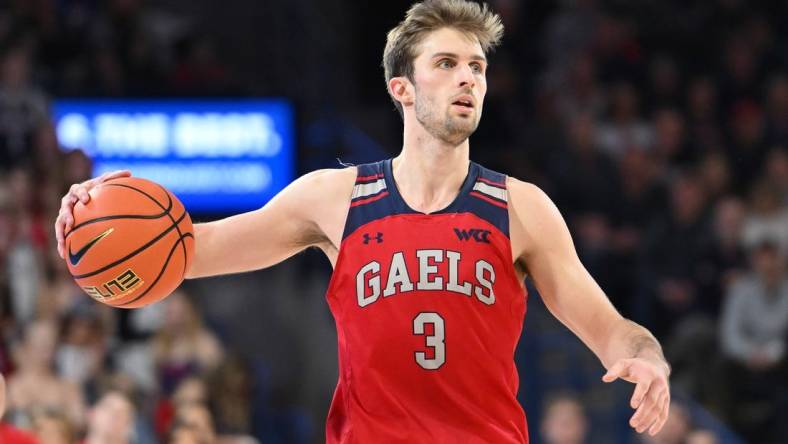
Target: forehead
x=449, y=40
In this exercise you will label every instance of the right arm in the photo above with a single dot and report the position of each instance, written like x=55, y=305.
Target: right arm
x=306, y=213
x=286, y=225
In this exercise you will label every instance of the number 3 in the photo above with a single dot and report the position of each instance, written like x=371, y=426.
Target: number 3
x=435, y=340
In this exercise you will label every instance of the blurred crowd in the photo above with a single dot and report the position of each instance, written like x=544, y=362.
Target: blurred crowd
x=660, y=130
x=662, y=135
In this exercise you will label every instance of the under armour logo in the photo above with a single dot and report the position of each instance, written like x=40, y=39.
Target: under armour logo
x=378, y=237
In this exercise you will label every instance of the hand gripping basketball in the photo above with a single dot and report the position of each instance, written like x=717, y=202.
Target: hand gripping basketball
x=79, y=192
x=127, y=242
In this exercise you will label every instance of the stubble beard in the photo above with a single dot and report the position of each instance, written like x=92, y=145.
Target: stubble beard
x=452, y=130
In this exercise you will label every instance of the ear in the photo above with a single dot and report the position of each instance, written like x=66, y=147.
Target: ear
x=401, y=89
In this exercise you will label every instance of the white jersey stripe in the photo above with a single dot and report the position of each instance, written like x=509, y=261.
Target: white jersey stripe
x=491, y=191
x=368, y=189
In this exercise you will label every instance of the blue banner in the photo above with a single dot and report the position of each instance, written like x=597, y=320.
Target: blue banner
x=217, y=156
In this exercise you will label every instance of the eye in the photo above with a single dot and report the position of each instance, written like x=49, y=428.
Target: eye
x=477, y=68
x=446, y=63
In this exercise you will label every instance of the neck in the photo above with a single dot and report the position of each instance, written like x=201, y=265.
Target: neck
x=429, y=172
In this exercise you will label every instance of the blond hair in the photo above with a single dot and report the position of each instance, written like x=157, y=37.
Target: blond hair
x=431, y=15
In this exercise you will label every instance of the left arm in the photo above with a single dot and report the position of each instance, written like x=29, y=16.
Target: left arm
x=541, y=240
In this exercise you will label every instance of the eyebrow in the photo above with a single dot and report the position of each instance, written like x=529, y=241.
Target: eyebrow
x=455, y=56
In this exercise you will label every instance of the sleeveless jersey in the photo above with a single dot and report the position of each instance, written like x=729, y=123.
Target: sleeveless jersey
x=428, y=310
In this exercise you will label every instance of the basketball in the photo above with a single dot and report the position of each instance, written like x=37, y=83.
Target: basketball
x=131, y=244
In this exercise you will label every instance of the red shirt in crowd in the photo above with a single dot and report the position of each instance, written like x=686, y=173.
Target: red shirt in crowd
x=12, y=435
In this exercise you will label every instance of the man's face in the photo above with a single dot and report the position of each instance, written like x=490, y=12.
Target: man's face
x=450, y=84
x=112, y=416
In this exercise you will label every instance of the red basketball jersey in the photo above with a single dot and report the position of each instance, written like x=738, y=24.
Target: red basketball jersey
x=428, y=311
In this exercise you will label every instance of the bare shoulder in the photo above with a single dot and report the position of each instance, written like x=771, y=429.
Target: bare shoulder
x=326, y=200
x=332, y=177
x=528, y=199
x=535, y=222
x=326, y=187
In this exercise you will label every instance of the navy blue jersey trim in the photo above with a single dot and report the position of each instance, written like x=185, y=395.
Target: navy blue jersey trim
x=388, y=201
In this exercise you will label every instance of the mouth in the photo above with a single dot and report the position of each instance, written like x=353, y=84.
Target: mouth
x=464, y=105
x=464, y=102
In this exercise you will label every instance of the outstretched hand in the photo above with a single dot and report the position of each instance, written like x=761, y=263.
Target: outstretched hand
x=78, y=193
x=652, y=391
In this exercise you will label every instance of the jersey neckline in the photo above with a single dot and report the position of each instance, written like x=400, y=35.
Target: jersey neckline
x=466, y=187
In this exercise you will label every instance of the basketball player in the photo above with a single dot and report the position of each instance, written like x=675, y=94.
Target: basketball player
x=429, y=253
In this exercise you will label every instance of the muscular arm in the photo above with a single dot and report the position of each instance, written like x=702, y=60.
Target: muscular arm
x=542, y=241
x=304, y=214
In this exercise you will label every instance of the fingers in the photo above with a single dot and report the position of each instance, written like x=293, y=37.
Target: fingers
x=640, y=392
x=78, y=193
x=652, y=412
x=114, y=175
x=81, y=192
x=647, y=413
x=66, y=206
x=59, y=224
x=663, y=415
x=64, y=221
x=619, y=370
x=651, y=397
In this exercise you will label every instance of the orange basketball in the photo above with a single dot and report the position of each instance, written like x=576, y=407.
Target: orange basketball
x=131, y=244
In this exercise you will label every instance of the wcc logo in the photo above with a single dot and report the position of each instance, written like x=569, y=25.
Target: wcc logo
x=476, y=234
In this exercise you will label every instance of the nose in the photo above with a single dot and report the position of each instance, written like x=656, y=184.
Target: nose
x=466, y=76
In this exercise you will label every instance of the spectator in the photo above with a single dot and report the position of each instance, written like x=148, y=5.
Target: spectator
x=231, y=391
x=665, y=82
x=703, y=118
x=8, y=433
x=675, y=246
x=747, y=147
x=726, y=258
x=777, y=110
x=767, y=219
x=715, y=175
x=111, y=420
x=191, y=390
x=754, y=328
x=83, y=348
x=53, y=427
x=23, y=108
x=584, y=178
x=197, y=419
x=580, y=93
x=564, y=421
x=24, y=259
x=670, y=146
x=624, y=128
x=777, y=172
x=184, y=347
x=35, y=384
x=702, y=437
